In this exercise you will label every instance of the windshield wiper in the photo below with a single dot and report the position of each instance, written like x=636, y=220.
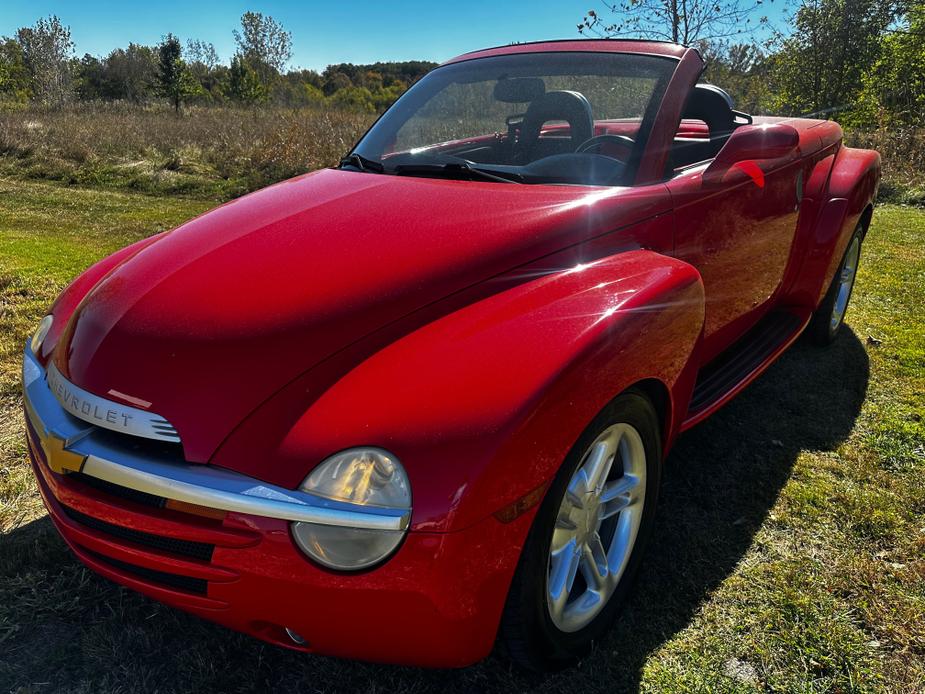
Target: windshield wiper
x=456, y=169
x=358, y=161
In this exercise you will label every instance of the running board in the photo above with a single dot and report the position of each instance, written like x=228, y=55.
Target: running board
x=727, y=375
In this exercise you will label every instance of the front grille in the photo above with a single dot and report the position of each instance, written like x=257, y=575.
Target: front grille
x=186, y=548
x=132, y=495
x=198, y=586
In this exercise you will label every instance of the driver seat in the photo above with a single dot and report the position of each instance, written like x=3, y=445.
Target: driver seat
x=571, y=107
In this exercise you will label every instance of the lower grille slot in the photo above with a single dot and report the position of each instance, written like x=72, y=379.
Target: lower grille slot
x=199, y=586
x=186, y=548
x=132, y=495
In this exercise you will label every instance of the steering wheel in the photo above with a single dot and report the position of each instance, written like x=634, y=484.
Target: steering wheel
x=620, y=142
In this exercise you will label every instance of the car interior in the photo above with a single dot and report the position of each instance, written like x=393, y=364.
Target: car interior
x=556, y=137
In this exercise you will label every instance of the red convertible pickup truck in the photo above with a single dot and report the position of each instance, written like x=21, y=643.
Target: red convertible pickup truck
x=400, y=409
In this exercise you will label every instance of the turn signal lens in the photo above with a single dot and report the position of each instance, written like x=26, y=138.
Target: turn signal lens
x=365, y=477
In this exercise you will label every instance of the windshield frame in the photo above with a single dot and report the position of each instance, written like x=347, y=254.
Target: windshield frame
x=643, y=135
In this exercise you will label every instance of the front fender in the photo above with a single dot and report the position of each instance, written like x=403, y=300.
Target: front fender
x=482, y=404
x=83, y=284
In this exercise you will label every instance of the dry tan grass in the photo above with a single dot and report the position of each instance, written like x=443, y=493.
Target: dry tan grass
x=223, y=151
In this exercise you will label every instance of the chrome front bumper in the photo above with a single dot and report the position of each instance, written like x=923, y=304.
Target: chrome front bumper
x=72, y=445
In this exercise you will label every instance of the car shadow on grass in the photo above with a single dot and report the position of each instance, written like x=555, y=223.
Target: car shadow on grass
x=70, y=630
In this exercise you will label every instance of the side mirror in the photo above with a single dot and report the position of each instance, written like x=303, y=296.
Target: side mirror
x=751, y=142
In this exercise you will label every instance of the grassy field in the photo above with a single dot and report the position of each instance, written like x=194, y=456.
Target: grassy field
x=224, y=151
x=789, y=553
x=215, y=152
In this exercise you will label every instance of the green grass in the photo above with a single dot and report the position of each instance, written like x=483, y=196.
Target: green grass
x=789, y=553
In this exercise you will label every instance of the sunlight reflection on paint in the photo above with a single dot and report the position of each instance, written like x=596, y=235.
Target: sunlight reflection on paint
x=590, y=199
x=607, y=314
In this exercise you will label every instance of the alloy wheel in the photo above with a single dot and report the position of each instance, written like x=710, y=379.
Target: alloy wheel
x=596, y=527
x=847, y=274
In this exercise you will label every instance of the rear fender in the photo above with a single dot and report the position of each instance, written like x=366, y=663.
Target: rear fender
x=482, y=405
x=852, y=189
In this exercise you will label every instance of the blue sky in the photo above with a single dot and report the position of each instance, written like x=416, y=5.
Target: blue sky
x=323, y=32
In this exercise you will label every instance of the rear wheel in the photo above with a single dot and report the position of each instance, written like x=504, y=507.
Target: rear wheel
x=829, y=317
x=586, y=541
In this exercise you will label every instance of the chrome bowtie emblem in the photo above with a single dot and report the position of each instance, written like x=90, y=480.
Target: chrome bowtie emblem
x=58, y=455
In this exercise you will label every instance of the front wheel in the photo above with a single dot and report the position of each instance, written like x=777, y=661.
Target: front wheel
x=587, y=538
x=829, y=317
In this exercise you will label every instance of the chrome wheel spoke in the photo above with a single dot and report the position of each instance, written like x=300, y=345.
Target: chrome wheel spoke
x=597, y=466
x=594, y=564
x=562, y=571
x=577, y=489
x=563, y=534
x=617, y=495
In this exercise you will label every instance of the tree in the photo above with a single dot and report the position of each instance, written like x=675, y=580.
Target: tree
x=819, y=67
x=335, y=81
x=89, y=77
x=204, y=64
x=243, y=82
x=683, y=21
x=47, y=49
x=742, y=70
x=130, y=73
x=14, y=75
x=893, y=90
x=174, y=79
x=298, y=88
x=263, y=44
x=354, y=98
x=201, y=53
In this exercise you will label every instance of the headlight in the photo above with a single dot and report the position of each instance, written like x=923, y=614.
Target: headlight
x=41, y=333
x=366, y=477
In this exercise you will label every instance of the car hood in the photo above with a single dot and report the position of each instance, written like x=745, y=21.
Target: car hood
x=212, y=319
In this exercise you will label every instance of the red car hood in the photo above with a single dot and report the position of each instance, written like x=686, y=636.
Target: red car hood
x=212, y=319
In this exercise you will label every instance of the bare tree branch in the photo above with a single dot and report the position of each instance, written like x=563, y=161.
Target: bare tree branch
x=682, y=21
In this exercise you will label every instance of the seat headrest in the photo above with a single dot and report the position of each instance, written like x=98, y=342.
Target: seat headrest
x=572, y=107
x=713, y=106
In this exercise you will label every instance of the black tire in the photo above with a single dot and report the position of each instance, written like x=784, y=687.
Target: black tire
x=527, y=631
x=821, y=329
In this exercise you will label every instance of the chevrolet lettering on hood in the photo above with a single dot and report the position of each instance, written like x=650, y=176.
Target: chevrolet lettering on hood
x=107, y=414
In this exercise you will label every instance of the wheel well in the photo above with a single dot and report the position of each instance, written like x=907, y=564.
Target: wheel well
x=660, y=396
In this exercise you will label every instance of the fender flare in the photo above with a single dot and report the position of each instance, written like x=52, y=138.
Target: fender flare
x=482, y=405
x=849, y=199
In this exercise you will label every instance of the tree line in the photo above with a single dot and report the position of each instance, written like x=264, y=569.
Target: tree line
x=38, y=65
x=860, y=61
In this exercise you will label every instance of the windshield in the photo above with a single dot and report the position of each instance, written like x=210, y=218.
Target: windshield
x=562, y=117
